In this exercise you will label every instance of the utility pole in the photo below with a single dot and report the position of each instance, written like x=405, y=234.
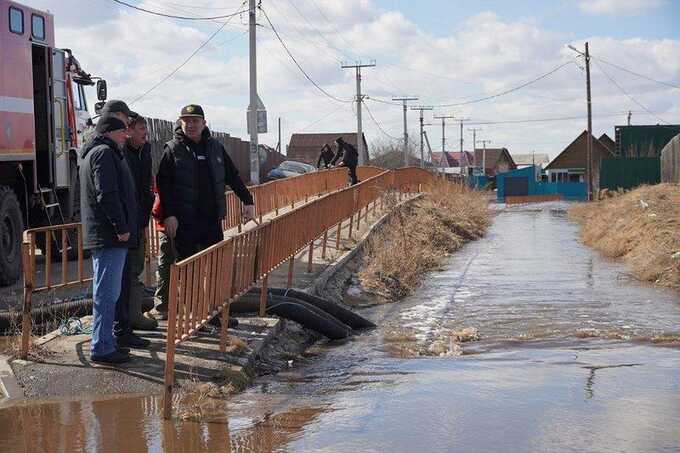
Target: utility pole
x=474, y=144
x=589, y=140
x=278, y=146
x=404, y=100
x=484, y=142
x=443, y=118
x=629, y=115
x=421, y=108
x=254, y=148
x=363, y=154
x=462, y=120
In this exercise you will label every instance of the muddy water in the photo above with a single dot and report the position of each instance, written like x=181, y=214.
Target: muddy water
x=570, y=358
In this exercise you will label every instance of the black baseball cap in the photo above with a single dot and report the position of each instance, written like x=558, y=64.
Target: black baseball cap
x=115, y=106
x=109, y=123
x=192, y=110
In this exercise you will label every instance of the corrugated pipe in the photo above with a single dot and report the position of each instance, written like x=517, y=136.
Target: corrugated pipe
x=45, y=313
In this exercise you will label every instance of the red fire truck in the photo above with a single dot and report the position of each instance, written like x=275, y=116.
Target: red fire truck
x=43, y=114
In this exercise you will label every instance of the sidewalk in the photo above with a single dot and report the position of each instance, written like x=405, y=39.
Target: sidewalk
x=65, y=368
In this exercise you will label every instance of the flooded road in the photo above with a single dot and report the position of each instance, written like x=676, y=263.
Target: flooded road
x=573, y=355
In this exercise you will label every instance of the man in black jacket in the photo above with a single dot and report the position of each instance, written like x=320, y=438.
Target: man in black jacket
x=191, y=180
x=326, y=156
x=109, y=218
x=350, y=159
x=138, y=155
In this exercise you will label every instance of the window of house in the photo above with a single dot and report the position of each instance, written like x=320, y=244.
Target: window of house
x=38, y=27
x=16, y=20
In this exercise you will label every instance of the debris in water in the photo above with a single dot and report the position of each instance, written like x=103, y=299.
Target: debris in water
x=466, y=335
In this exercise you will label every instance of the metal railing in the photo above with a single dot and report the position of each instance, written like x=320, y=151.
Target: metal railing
x=203, y=285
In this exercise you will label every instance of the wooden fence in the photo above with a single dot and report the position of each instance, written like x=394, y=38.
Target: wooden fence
x=162, y=131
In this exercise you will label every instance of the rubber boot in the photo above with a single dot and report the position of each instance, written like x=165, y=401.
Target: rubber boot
x=137, y=320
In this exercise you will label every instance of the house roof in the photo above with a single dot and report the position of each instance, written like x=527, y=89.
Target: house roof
x=531, y=159
x=306, y=147
x=452, y=159
x=493, y=156
x=574, y=155
x=317, y=140
x=608, y=142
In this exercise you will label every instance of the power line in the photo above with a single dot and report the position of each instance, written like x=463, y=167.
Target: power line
x=283, y=44
x=546, y=120
x=511, y=90
x=172, y=16
x=328, y=115
x=370, y=114
x=628, y=95
x=668, y=84
x=174, y=71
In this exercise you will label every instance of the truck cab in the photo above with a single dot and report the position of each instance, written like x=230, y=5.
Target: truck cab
x=43, y=115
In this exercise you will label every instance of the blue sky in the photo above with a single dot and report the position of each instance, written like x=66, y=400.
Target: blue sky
x=441, y=51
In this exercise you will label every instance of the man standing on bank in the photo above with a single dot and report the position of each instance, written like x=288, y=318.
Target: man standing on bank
x=191, y=180
x=108, y=212
x=350, y=159
x=138, y=154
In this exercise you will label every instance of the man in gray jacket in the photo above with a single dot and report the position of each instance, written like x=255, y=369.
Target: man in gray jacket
x=108, y=212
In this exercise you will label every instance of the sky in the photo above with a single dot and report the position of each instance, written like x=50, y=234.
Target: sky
x=446, y=53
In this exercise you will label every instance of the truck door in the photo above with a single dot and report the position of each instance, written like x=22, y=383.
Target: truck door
x=60, y=119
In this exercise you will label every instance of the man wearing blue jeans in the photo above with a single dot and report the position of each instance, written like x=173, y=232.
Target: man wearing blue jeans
x=108, y=211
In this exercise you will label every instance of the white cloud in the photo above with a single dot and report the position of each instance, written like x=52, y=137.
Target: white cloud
x=485, y=54
x=619, y=7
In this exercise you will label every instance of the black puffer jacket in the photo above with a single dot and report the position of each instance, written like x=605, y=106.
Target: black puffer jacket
x=178, y=178
x=139, y=161
x=108, y=205
x=347, y=154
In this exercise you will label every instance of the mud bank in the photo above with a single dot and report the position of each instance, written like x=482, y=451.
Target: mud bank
x=641, y=227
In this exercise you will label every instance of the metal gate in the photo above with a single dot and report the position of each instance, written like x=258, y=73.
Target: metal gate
x=516, y=186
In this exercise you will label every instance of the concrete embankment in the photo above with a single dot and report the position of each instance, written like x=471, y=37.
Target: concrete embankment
x=642, y=227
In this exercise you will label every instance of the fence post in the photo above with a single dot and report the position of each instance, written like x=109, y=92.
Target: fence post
x=170, y=345
x=28, y=295
x=337, y=236
x=263, y=296
x=351, y=223
x=323, y=245
x=291, y=267
x=224, y=321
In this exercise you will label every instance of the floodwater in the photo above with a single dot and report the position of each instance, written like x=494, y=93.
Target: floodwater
x=573, y=355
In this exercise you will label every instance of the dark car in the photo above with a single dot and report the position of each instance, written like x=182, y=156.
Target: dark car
x=289, y=168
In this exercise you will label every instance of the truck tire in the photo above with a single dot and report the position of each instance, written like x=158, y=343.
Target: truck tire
x=11, y=228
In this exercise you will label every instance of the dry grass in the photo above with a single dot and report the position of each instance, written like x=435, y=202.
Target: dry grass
x=642, y=227
x=420, y=236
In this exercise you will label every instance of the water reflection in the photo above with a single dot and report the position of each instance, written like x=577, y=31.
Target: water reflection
x=134, y=424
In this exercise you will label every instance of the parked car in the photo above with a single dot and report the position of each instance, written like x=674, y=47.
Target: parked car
x=289, y=168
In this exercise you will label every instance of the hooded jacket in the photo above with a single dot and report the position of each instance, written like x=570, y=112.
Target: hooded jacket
x=179, y=183
x=347, y=154
x=108, y=205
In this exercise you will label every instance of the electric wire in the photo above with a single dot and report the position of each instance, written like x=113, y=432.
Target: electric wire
x=292, y=57
x=172, y=16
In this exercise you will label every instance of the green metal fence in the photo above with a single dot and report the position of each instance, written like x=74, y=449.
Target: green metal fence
x=627, y=173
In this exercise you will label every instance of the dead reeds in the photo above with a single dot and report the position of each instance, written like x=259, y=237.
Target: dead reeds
x=420, y=235
x=642, y=227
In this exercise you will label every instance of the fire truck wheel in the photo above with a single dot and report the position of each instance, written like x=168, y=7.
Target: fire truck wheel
x=11, y=228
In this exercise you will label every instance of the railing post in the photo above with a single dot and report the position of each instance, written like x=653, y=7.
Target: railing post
x=310, y=258
x=323, y=244
x=28, y=297
x=263, y=296
x=291, y=268
x=351, y=224
x=337, y=236
x=170, y=344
